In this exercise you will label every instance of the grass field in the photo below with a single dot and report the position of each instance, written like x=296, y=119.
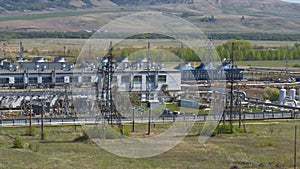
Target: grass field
x=61, y=14
x=267, y=144
x=269, y=64
x=76, y=45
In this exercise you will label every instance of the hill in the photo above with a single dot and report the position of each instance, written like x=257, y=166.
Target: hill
x=41, y=5
x=212, y=16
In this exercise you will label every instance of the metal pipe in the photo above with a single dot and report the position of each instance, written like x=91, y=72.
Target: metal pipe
x=291, y=100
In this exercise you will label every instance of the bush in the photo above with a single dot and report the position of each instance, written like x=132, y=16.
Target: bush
x=209, y=130
x=266, y=143
x=18, y=142
x=126, y=132
x=82, y=137
x=45, y=134
x=103, y=132
x=224, y=129
x=33, y=147
x=271, y=94
x=31, y=131
x=221, y=129
x=30, y=146
x=112, y=133
x=296, y=65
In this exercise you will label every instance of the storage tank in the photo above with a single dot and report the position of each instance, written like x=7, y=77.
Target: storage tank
x=282, y=95
x=293, y=94
x=299, y=94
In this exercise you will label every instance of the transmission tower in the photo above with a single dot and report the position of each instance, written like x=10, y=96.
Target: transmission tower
x=107, y=107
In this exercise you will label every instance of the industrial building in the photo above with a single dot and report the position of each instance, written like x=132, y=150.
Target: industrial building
x=210, y=72
x=130, y=76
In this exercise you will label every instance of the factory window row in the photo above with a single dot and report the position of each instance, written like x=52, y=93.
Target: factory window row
x=150, y=78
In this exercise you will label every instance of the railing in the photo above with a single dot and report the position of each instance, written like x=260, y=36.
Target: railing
x=160, y=119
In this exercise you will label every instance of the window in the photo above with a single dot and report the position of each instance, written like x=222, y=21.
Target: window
x=86, y=79
x=125, y=79
x=46, y=79
x=137, y=79
x=19, y=80
x=33, y=80
x=162, y=78
x=151, y=78
x=4, y=80
x=75, y=79
x=60, y=80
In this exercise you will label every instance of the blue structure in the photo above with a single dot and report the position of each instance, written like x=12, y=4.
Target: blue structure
x=188, y=103
x=210, y=72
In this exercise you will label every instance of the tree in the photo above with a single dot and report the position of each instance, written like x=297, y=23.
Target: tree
x=241, y=48
x=271, y=94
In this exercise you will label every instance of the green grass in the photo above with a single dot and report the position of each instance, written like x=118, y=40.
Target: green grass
x=267, y=144
x=59, y=14
x=268, y=64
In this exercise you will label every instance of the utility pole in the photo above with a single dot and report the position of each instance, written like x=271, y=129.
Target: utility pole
x=148, y=88
x=132, y=130
x=231, y=88
x=21, y=49
x=286, y=66
x=42, y=119
x=30, y=116
x=240, y=113
x=295, y=148
x=64, y=51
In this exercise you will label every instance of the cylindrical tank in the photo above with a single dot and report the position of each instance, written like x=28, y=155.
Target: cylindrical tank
x=293, y=94
x=282, y=95
x=299, y=94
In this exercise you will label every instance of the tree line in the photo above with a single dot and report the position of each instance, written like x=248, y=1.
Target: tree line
x=23, y=34
x=244, y=51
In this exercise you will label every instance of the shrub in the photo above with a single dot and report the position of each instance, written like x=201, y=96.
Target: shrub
x=18, y=142
x=111, y=133
x=223, y=129
x=45, y=134
x=82, y=137
x=266, y=143
x=103, y=132
x=296, y=65
x=271, y=94
x=34, y=147
x=31, y=131
x=126, y=132
x=209, y=130
x=30, y=146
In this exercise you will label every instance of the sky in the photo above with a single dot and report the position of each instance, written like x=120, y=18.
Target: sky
x=296, y=1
